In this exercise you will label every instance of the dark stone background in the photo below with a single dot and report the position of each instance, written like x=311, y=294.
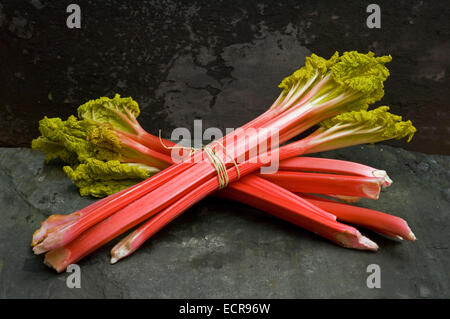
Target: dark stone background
x=216, y=60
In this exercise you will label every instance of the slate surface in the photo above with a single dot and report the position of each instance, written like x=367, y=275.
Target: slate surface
x=183, y=60
x=224, y=249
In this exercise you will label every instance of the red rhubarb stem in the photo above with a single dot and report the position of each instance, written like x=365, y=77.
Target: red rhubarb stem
x=380, y=222
x=301, y=182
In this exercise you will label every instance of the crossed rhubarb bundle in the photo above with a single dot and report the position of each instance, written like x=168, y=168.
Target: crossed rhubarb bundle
x=109, y=153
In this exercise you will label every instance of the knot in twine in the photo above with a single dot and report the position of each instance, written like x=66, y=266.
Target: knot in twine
x=215, y=160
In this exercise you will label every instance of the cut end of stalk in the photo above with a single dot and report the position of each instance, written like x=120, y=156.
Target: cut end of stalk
x=52, y=222
x=372, y=190
x=38, y=250
x=407, y=232
x=355, y=241
x=53, y=240
x=411, y=236
x=119, y=252
x=380, y=173
x=57, y=258
x=367, y=243
x=123, y=248
x=39, y=235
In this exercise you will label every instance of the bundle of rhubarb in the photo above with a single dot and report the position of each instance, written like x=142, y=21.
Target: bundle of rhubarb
x=149, y=181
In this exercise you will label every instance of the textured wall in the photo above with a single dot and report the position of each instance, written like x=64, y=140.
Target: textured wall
x=219, y=61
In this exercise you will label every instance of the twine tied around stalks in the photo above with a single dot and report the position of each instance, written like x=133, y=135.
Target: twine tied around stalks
x=215, y=160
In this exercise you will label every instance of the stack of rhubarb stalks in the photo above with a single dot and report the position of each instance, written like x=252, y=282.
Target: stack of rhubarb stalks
x=109, y=153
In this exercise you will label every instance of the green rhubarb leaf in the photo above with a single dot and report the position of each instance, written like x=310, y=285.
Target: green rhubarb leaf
x=314, y=66
x=102, y=189
x=119, y=112
x=53, y=150
x=363, y=75
x=94, y=148
x=73, y=141
x=106, y=143
x=98, y=178
x=66, y=140
x=353, y=80
x=377, y=125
